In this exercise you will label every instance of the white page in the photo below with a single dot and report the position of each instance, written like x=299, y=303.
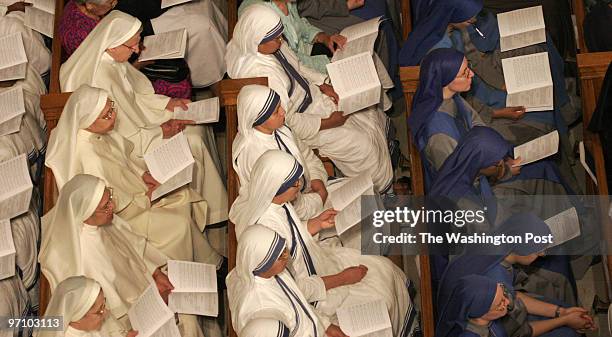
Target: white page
x=364, y=318
x=356, y=46
x=11, y=126
x=149, y=312
x=361, y=29
x=168, y=3
x=380, y=333
x=13, y=73
x=356, y=82
x=564, y=226
x=7, y=250
x=11, y=104
x=46, y=5
x=539, y=99
x=168, y=329
x=170, y=158
x=583, y=161
x=184, y=177
x=538, y=148
x=15, y=187
x=204, y=111
x=12, y=51
x=354, y=212
x=521, y=28
x=205, y=304
x=351, y=190
x=39, y=20
x=525, y=73
x=166, y=45
x=192, y=276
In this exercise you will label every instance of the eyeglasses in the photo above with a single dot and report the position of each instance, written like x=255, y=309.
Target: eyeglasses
x=100, y=312
x=284, y=256
x=503, y=305
x=133, y=48
x=107, y=208
x=111, y=111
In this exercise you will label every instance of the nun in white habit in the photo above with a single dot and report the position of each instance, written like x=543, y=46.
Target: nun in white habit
x=261, y=128
x=324, y=274
x=80, y=236
x=260, y=287
x=356, y=143
x=39, y=56
x=144, y=117
x=80, y=302
x=84, y=142
x=265, y=327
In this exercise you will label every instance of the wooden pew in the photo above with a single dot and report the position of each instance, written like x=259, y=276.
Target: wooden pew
x=406, y=18
x=56, y=50
x=410, y=81
x=580, y=12
x=592, y=68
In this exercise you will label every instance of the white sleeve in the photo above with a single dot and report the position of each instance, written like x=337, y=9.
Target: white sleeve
x=313, y=288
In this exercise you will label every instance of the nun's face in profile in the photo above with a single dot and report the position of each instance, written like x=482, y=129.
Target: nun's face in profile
x=275, y=121
x=103, y=215
x=100, y=8
x=289, y=195
x=106, y=119
x=122, y=52
x=278, y=266
x=93, y=319
x=463, y=79
x=270, y=47
x=499, y=307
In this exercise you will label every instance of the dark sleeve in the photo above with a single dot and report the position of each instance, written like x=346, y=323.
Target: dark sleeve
x=317, y=9
x=515, y=322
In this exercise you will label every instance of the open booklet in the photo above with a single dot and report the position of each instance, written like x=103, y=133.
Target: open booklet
x=13, y=59
x=356, y=82
x=168, y=45
x=346, y=198
x=564, y=226
x=12, y=108
x=521, y=28
x=368, y=318
x=7, y=250
x=204, y=111
x=170, y=3
x=587, y=161
x=150, y=316
x=538, y=148
x=41, y=16
x=360, y=38
x=171, y=164
x=15, y=187
x=529, y=82
x=195, y=288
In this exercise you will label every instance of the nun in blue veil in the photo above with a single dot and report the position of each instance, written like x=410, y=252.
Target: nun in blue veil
x=497, y=265
x=476, y=304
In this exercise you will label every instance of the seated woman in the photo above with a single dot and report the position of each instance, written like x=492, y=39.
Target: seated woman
x=476, y=304
x=206, y=33
x=265, y=327
x=81, y=232
x=84, y=142
x=529, y=315
x=301, y=35
x=355, y=143
x=324, y=274
x=261, y=128
x=143, y=117
x=260, y=287
x=13, y=21
x=80, y=17
x=441, y=117
x=80, y=301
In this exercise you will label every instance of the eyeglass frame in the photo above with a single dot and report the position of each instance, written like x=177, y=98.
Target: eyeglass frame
x=468, y=69
x=110, y=112
x=107, y=206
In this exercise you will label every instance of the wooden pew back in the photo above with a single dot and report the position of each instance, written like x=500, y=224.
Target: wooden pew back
x=410, y=82
x=56, y=50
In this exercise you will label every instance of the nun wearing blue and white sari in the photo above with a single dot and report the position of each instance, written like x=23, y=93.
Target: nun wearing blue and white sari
x=356, y=144
x=476, y=304
x=265, y=327
x=266, y=200
x=532, y=313
x=261, y=288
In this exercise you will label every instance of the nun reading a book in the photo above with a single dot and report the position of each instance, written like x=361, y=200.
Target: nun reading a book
x=82, y=233
x=327, y=275
x=356, y=143
x=143, y=117
x=85, y=142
